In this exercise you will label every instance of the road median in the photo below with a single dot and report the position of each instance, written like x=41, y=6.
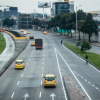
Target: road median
x=72, y=90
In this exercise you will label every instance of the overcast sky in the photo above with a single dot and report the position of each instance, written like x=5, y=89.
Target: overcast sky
x=28, y=6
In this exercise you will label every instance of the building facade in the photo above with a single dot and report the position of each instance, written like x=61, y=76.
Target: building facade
x=71, y=4
x=1, y=14
x=25, y=21
x=58, y=7
x=11, y=11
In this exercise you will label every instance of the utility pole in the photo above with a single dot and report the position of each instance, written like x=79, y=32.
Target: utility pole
x=76, y=23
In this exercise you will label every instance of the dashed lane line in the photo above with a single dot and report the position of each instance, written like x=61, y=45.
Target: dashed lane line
x=74, y=75
x=24, y=68
x=40, y=95
x=87, y=81
x=22, y=75
x=18, y=82
x=42, y=74
x=41, y=82
x=82, y=59
x=12, y=95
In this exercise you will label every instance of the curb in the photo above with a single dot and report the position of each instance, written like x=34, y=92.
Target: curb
x=16, y=54
x=73, y=92
x=83, y=58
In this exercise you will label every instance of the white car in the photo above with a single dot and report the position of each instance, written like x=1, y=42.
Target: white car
x=24, y=33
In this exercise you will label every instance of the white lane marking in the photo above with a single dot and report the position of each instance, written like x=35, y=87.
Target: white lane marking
x=18, y=82
x=89, y=82
x=40, y=95
x=12, y=95
x=61, y=76
x=74, y=75
x=42, y=68
x=29, y=59
x=22, y=75
x=27, y=63
x=43, y=63
x=24, y=68
x=42, y=74
x=41, y=82
x=82, y=59
x=43, y=58
x=96, y=88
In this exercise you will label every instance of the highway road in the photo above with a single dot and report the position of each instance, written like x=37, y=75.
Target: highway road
x=54, y=58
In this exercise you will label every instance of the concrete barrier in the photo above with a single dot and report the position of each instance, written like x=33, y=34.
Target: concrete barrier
x=14, y=36
x=72, y=90
x=19, y=47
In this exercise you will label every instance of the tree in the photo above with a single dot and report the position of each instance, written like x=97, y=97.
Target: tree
x=35, y=21
x=79, y=25
x=81, y=16
x=85, y=46
x=11, y=22
x=89, y=27
x=78, y=43
x=8, y=22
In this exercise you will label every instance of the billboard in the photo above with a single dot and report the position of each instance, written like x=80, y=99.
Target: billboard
x=44, y=4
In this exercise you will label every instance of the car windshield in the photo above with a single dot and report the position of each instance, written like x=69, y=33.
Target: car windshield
x=50, y=78
x=18, y=63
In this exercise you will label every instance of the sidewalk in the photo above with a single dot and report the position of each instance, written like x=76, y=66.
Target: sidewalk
x=20, y=45
x=95, y=46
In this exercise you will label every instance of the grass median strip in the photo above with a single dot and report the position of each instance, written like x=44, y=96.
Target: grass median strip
x=93, y=58
x=2, y=43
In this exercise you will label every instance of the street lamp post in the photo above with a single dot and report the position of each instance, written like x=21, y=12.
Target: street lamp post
x=76, y=22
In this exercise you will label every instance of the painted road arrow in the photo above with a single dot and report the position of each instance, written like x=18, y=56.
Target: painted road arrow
x=52, y=95
x=26, y=96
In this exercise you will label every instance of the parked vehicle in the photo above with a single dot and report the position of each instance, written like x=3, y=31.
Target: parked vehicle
x=38, y=43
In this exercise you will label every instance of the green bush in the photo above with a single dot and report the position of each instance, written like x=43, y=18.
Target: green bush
x=85, y=46
x=78, y=43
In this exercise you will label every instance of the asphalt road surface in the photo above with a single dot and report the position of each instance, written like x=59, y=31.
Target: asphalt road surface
x=54, y=58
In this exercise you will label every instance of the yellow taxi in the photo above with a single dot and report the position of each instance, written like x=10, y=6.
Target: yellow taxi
x=19, y=64
x=45, y=32
x=22, y=30
x=4, y=29
x=28, y=32
x=49, y=80
x=33, y=44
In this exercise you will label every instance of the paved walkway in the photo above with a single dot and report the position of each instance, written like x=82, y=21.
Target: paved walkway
x=8, y=52
x=95, y=46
